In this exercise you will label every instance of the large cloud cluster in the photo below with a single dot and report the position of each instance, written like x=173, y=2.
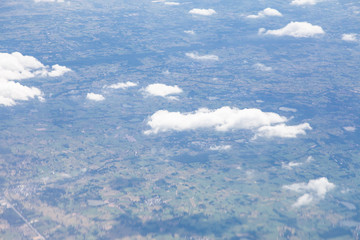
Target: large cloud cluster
x=296, y=29
x=264, y=124
x=315, y=189
x=16, y=66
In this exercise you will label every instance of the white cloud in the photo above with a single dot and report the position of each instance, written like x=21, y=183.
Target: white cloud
x=262, y=67
x=220, y=148
x=314, y=189
x=222, y=119
x=282, y=130
x=290, y=165
x=286, y=109
x=172, y=3
x=266, y=12
x=350, y=129
x=295, y=29
x=95, y=97
x=350, y=37
x=11, y=91
x=122, y=85
x=58, y=70
x=191, y=32
x=203, y=12
x=196, y=56
x=305, y=199
x=162, y=90
x=16, y=66
x=305, y=2
x=59, y=1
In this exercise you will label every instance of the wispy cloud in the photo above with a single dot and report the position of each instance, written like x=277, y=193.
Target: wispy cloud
x=296, y=29
x=203, y=12
x=172, y=3
x=305, y=2
x=59, y=1
x=262, y=67
x=191, y=32
x=208, y=57
x=270, y=12
x=122, y=85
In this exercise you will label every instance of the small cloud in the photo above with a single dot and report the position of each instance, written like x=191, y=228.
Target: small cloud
x=172, y=3
x=196, y=56
x=350, y=37
x=305, y=199
x=58, y=70
x=59, y=1
x=191, y=32
x=286, y=109
x=266, y=12
x=162, y=90
x=264, y=124
x=350, y=129
x=314, y=189
x=262, y=67
x=220, y=148
x=291, y=165
x=203, y=12
x=295, y=29
x=283, y=131
x=95, y=97
x=309, y=159
x=122, y=85
x=305, y=2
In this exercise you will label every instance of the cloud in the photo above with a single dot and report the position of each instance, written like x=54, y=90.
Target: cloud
x=172, y=3
x=314, y=189
x=58, y=70
x=220, y=148
x=350, y=37
x=350, y=129
x=196, y=56
x=295, y=29
x=95, y=97
x=162, y=90
x=222, y=119
x=283, y=131
x=266, y=12
x=59, y=1
x=262, y=67
x=305, y=2
x=286, y=109
x=11, y=91
x=290, y=165
x=203, y=12
x=122, y=85
x=16, y=66
x=191, y=32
